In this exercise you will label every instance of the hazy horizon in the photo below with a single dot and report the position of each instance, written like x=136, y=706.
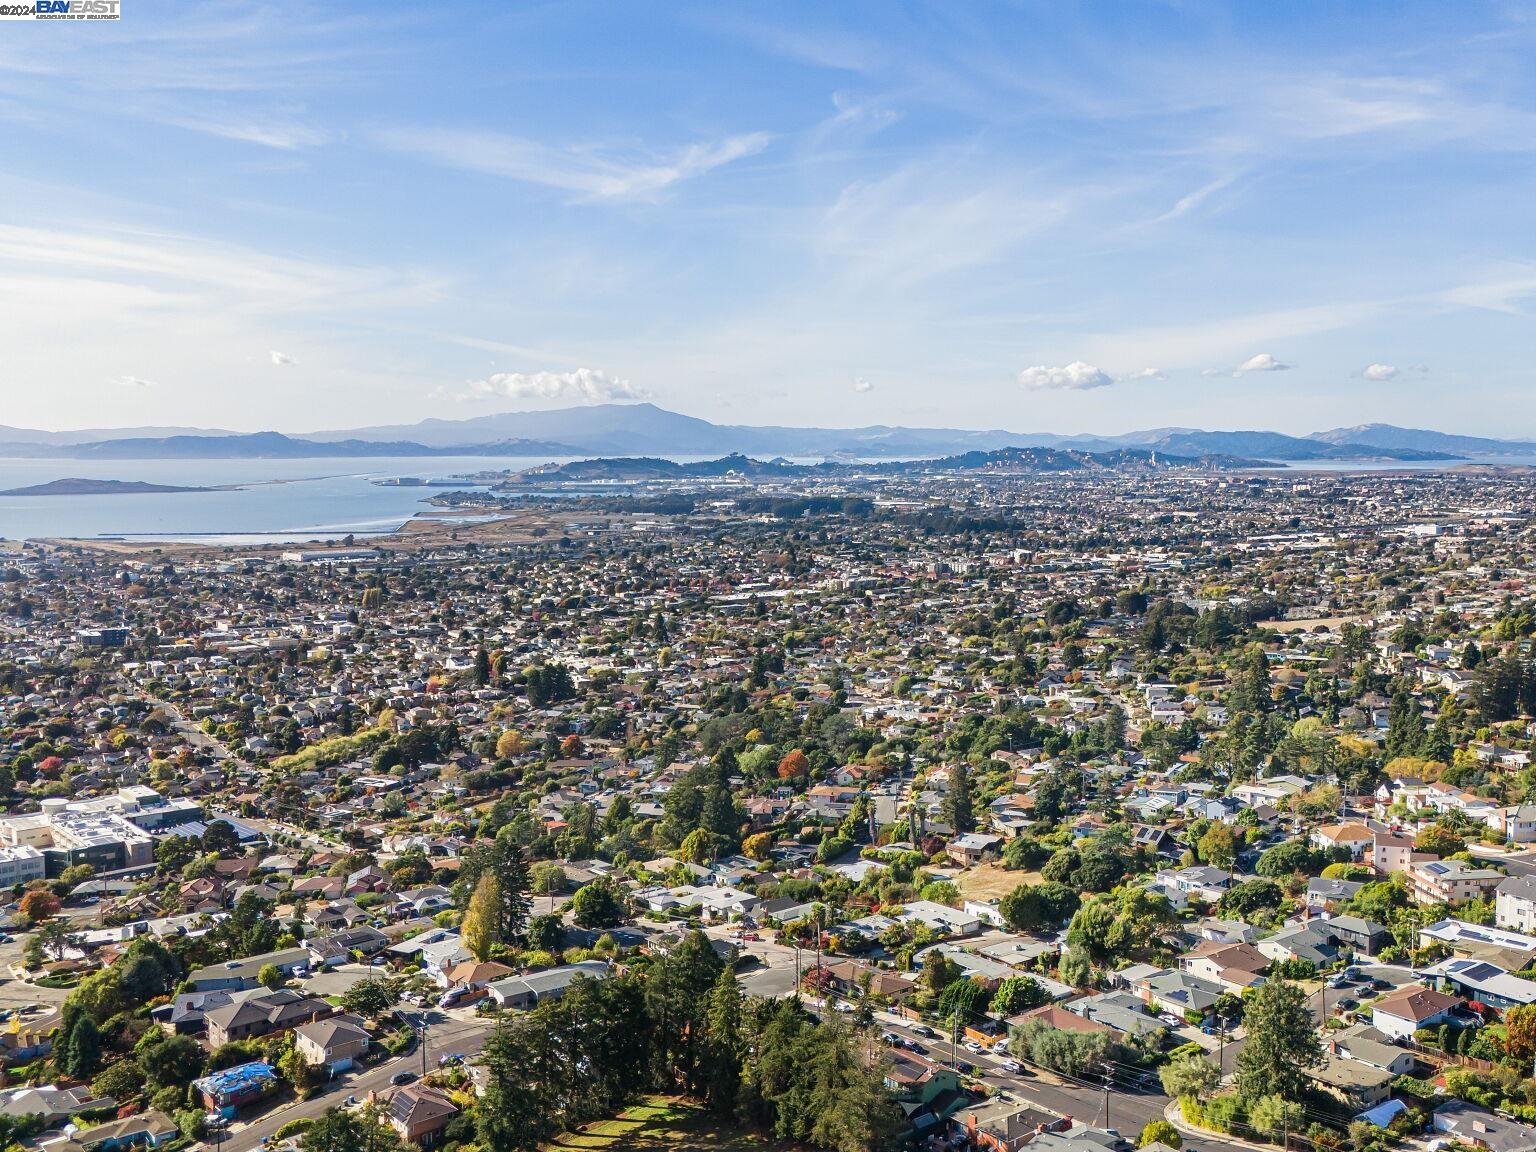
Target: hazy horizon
x=1026, y=217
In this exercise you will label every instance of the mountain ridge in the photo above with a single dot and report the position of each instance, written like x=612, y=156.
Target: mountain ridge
x=630, y=430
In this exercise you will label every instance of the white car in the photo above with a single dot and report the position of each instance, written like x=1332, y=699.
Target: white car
x=1012, y=1066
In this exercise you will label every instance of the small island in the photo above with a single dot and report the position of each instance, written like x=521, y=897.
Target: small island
x=77, y=486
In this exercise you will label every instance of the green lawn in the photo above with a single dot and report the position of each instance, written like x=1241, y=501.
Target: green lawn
x=665, y=1124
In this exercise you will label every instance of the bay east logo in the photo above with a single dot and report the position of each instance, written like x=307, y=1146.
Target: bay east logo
x=62, y=10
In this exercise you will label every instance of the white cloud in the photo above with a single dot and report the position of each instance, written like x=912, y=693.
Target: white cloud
x=1379, y=372
x=282, y=360
x=580, y=170
x=133, y=382
x=583, y=386
x=1263, y=362
x=1143, y=374
x=1076, y=376
x=862, y=385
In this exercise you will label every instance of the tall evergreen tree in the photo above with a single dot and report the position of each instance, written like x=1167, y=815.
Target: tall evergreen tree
x=957, y=808
x=725, y=1044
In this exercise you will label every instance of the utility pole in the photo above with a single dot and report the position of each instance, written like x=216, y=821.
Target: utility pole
x=1221, y=1052
x=1108, y=1079
x=954, y=1031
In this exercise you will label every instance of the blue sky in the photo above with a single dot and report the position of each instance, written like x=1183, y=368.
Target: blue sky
x=1056, y=217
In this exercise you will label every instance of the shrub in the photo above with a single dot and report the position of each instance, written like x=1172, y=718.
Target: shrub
x=1160, y=1132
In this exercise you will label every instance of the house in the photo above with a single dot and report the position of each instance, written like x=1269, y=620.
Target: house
x=149, y=1129
x=1125, y=1012
x=1450, y=881
x=1480, y=981
x=1232, y=966
x=339, y=947
x=333, y=1044
x=1517, y=824
x=1183, y=993
x=475, y=974
x=712, y=902
x=439, y=956
x=940, y=917
x=1514, y=904
x=1511, y=950
x=1325, y=894
x=229, y=1089
x=1475, y=1126
x=972, y=848
x=1003, y=1125
x=1365, y=937
x=927, y=1092
x=1198, y=880
x=1398, y=1015
x=263, y=1014
x=527, y=990
x=1310, y=941
x=420, y=1113
x=847, y=975
x=233, y=975
x=1391, y=854
x=1357, y=1084
x=51, y=1103
x=1369, y=1046
x=1352, y=839
x=1059, y=1018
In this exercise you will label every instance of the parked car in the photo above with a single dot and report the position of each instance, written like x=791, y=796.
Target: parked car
x=1012, y=1066
x=402, y=1078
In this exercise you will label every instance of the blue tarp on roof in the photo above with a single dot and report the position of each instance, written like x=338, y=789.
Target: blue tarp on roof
x=237, y=1080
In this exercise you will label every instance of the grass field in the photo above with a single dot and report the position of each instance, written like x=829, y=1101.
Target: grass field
x=665, y=1124
x=992, y=881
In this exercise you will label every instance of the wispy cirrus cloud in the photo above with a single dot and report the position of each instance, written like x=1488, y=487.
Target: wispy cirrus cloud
x=589, y=173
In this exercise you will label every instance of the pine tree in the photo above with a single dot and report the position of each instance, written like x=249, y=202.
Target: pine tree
x=957, y=808
x=725, y=1044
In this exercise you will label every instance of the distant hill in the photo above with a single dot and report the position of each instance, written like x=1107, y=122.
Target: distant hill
x=644, y=430
x=1021, y=461
x=1422, y=439
x=79, y=486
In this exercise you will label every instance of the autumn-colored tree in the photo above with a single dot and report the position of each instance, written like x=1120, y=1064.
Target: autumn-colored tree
x=510, y=743
x=757, y=845
x=572, y=746
x=795, y=763
x=39, y=905
x=479, y=930
x=1520, y=1030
